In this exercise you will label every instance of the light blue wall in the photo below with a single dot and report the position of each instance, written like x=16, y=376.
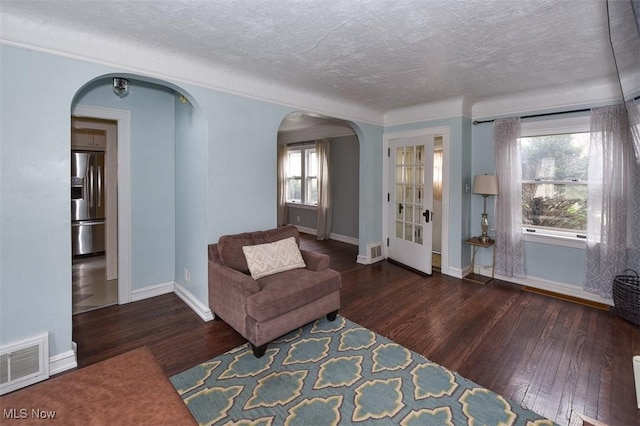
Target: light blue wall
x=152, y=174
x=239, y=194
x=370, y=206
x=458, y=177
x=564, y=265
x=35, y=252
x=191, y=199
x=241, y=162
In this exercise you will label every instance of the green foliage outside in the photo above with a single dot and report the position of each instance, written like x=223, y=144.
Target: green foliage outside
x=546, y=160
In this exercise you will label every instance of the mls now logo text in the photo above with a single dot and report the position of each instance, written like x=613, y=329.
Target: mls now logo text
x=24, y=413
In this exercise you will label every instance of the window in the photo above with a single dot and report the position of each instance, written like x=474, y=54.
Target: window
x=555, y=161
x=302, y=175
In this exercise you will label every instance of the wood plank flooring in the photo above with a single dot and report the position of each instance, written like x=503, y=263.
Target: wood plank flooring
x=556, y=357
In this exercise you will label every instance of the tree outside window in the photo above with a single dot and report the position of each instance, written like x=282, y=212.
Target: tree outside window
x=554, y=182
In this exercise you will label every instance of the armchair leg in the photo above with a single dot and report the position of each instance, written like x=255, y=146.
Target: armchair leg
x=331, y=316
x=258, y=351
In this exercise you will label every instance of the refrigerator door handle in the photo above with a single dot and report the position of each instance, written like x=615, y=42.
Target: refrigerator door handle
x=99, y=186
x=92, y=186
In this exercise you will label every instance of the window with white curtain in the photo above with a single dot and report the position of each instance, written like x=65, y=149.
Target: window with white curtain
x=302, y=175
x=555, y=158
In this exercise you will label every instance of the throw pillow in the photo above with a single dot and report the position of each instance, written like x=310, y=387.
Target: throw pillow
x=272, y=258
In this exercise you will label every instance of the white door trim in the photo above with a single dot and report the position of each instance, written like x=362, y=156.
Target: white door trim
x=386, y=139
x=123, y=117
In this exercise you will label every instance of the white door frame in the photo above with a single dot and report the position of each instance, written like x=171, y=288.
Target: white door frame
x=386, y=139
x=123, y=118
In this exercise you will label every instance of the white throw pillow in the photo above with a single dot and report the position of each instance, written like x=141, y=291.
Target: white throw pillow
x=272, y=258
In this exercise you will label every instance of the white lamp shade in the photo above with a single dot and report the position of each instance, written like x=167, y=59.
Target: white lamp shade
x=485, y=185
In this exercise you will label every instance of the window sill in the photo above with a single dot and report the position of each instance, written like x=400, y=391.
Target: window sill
x=555, y=240
x=303, y=206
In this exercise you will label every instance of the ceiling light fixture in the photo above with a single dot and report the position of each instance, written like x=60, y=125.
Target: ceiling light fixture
x=121, y=86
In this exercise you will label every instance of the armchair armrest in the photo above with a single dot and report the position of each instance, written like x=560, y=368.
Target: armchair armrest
x=315, y=261
x=228, y=293
x=228, y=279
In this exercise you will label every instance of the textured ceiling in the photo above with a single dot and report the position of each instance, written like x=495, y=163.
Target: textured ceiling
x=382, y=54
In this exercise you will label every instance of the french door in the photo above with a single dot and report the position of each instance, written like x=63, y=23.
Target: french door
x=411, y=201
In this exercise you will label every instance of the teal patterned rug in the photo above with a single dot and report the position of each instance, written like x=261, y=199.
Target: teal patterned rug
x=339, y=373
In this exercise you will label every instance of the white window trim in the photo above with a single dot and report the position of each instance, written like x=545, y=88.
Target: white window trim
x=555, y=126
x=303, y=147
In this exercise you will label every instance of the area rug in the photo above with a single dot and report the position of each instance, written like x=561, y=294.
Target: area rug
x=339, y=373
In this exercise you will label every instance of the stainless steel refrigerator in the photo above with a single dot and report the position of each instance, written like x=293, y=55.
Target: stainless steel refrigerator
x=87, y=202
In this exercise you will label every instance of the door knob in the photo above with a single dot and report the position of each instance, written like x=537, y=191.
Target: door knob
x=427, y=215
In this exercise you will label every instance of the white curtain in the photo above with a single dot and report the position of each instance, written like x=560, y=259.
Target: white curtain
x=613, y=222
x=324, y=190
x=633, y=113
x=508, y=211
x=282, y=185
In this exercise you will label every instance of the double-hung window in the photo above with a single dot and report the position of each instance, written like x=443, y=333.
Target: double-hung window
x=555, y=157
x=302, y=175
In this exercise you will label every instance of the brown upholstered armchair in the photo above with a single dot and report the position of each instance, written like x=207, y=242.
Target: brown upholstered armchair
x=268, y=307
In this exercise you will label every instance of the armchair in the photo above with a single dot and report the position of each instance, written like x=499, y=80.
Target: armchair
x=268, y=307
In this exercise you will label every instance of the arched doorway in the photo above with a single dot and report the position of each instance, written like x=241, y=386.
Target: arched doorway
x=297, y=137
x=161, y=140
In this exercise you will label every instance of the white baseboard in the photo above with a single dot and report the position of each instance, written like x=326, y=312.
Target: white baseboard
x=344, y=239
x=152, y=291
x=636, y=375
x=62, y=362
x=363, y=260
x=173, y=287
x=306, y=230
x=552, y=286
x=337, y=237
x=457, y=272
x=203, y=311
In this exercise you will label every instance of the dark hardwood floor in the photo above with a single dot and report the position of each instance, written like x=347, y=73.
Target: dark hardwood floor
x=554, y=357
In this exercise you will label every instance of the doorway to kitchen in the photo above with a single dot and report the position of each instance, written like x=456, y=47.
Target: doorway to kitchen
x=94, y=213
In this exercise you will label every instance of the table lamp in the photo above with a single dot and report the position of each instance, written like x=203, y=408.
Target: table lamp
x=485, y=185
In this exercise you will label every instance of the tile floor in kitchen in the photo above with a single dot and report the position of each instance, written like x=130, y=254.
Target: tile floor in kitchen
x=91, y=290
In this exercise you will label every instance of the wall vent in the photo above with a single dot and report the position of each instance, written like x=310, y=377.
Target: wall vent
x=24, y=363
x=375, y=252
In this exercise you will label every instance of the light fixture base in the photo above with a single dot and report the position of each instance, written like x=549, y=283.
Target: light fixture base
x=484, y=239
x=121, y=86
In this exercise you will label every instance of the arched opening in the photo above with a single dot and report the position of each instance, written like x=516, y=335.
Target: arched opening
x=154, y=193
x=298, y=136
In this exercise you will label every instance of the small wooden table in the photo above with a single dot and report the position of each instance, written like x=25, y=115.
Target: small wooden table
x=476, y=243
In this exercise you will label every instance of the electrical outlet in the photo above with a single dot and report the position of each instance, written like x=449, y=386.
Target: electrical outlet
x=187, y=275
x=297, y=218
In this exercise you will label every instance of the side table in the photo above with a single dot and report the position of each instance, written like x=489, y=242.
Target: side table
x=476, y=243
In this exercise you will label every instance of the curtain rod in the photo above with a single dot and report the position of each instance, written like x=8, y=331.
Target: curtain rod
x=536, y=115
x=475, y=122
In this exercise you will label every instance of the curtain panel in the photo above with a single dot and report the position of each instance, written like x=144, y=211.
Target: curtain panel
x=613, y=206
x=282, y=185
x=508, y=208
x=324, y=190
x=633, y=114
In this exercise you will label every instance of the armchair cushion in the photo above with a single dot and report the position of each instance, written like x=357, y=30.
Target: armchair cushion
x=272, y=258
x=289, y=290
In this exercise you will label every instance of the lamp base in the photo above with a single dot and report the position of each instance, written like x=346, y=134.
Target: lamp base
x=484, y=238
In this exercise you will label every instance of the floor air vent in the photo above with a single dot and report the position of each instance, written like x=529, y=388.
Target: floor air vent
x=24, y=363
x=375, y=252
